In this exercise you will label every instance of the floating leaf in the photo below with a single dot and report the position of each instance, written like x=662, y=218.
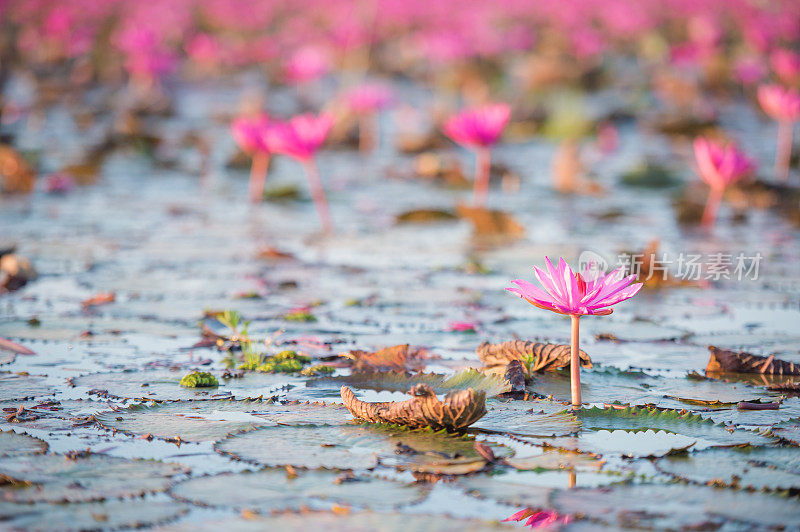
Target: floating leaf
x=14, y=444
x=105, y=515
x=557, y=459
x=21, y=387
x=705, y=432
x=488, y=223
x=789, y=431
x=353, y=447
x=422, y=216
x=773, y=468
x=724, y=360
x=50, y=415
x=211, y=420
x=529, y=418
x=164, y=385
x=274, y=490
x=401, y=382
x=598, y=386
x=396, y=358
x=424, y=410
x=534, y=356
x=351, y=522
x=82, y=478
x=678, y=507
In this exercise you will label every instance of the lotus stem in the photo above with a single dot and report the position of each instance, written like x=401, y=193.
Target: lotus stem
x=258, y=175
x=483, y=166
x=367, y=132
x=318, y=195
x=712, y=206
x=575, y=364
x=784, y=153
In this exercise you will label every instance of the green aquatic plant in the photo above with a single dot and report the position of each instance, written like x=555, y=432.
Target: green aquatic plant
x=299, y=315
x=199, y=379
x=317, y=370
x=283, y=362
x=234, y=321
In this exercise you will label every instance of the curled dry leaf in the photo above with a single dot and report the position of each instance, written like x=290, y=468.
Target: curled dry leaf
x=723, y=360
x=515, y=375
x=396, y=358
x=491, y=223
x=533, y=356
x=458, y=410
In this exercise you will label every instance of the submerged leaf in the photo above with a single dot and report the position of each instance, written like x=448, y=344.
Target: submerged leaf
x=458, y=410
x=14, y=444
x=529, y=418
x=396, y=358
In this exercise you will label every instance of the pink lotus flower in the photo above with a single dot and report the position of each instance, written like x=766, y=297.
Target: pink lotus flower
x=720, y=165
x=462, y=326
x=782, y=104
x=59, y=183
x=479, y=129
x=591, y=293
x=365, y=100
x=542, y=519
x=307, y=64
x=786, y=64
x=300, y=138
x=251, y=134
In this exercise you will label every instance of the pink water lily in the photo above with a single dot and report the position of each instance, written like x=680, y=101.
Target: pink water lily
x=783, y=105
x=479, y=129
x=719, y=165
x=251, y=134
x=541, y=519
x=300, y=138
x=365, y=101
x=591, y=293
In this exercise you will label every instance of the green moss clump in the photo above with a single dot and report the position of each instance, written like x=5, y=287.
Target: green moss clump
x=283, y=362
x=199, y=379
x=316, y=371
x=300, y=315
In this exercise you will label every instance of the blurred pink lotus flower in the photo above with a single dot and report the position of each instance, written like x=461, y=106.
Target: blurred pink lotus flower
x=783, y=105
x=365, y=101
x=541, y=519
x=307, y=64
x=786, y=64
x=59, y=183
x=300, y=138
x=462, y=326
x=749, y=70
x=251, y=134
x=206, y=50
x=479, y=129
x=591, y=293
x=720, y=165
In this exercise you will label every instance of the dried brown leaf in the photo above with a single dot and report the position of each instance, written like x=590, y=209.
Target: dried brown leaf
x=16, y=175
x=542, y=356
x=395, y=358
x=515, y=375
x=458, y=410
x=491, y=223
x=99, y=299
x=724, y=360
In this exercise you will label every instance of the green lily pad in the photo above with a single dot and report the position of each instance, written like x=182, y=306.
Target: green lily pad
x=164, y=385
x=83, y=478
x=354, y=522
x=195, y=421
x=678, y=507
x=773, y=468
x=274, y=490
x=705, y=433
x=788, y=431
x=401, y=382
x=356, y=447
x=50, y=415
x=556, y=460
x=14, y=444
x=106, y=515
x=21, y=387
x=529, y=418
x=597, y=386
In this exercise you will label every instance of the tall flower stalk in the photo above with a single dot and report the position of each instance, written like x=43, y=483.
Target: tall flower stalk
x=251, y=135
x=479, y=129
x=783, y=105
x=591, y=293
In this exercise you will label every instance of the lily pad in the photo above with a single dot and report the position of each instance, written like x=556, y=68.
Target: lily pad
x=355, y=522
x=772, y=468
x=598, y=386
x=789, y=431
x=557, y=459
x=705, y=432
x=355, y=447
x=14, y=444
x=195, y=421
x=164, y=385
x=51, y=415
x=82, y=478
x=678, y=507
x=402, y=382
x=529, y=418
x=273, y=490
x=21, y=387
x=134, y=513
